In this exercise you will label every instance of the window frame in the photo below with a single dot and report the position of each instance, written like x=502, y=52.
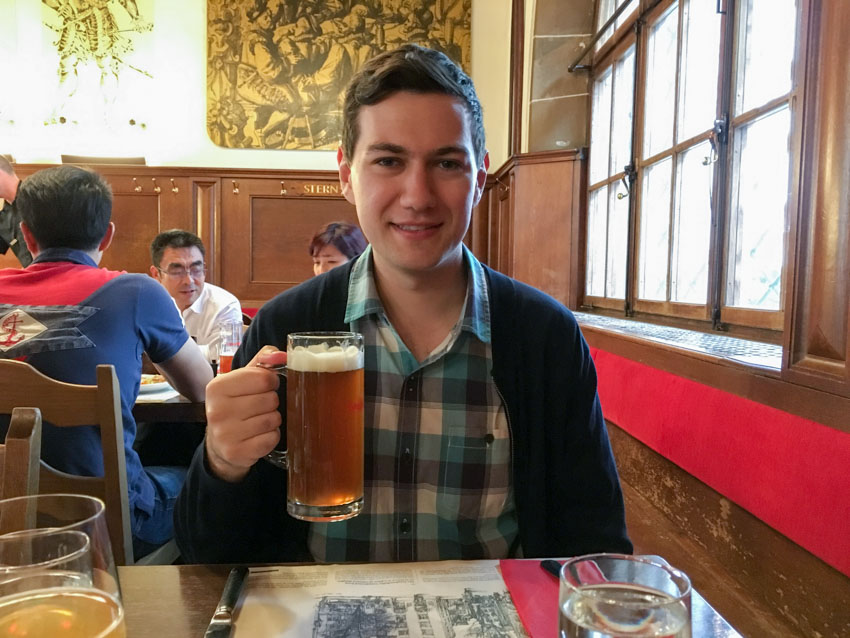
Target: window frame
x=715, y=311
x=612, y=57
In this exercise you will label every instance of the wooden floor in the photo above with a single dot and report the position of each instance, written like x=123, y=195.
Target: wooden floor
x=653, y=533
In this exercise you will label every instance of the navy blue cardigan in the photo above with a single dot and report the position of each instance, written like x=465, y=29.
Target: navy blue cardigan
x=566, y=489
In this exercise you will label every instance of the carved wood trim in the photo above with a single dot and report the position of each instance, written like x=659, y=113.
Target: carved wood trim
x=817, y=340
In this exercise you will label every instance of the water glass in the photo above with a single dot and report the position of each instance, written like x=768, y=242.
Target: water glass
x=620, y=596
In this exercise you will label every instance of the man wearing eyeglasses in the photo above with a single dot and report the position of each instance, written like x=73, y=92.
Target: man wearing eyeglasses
x=178, y=263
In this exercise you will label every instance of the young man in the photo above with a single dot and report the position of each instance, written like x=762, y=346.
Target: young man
x=178, y=264
x=484, y=436
x=10, y=219
x=65, y=316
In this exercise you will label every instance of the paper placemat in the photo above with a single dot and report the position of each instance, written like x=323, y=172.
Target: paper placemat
x=535, y=595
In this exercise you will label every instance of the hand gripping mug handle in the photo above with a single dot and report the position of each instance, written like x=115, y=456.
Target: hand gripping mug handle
x=277, y=458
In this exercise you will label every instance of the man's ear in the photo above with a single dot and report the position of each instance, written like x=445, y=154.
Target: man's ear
x=155, y=273
x=29, y=240
x=107, y=238
x=481, y=178
x=345, y=176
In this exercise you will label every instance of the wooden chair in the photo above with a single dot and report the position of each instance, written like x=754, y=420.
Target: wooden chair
x=20, y=455
x=67, y=405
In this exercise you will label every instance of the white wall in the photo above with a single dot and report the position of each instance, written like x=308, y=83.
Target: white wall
x=174, y=102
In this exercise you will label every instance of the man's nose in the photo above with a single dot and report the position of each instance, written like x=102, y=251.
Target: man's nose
x=418, y=193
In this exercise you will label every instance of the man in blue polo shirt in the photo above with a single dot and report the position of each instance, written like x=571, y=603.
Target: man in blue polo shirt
x=64, y=316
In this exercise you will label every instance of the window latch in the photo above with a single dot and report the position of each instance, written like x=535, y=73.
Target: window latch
x=628, y=179
x=719, y=135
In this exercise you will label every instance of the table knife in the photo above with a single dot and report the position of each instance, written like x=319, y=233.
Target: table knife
x=221, y=625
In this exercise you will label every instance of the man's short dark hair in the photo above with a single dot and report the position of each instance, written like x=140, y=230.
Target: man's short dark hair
x=174, y=238
x=346, y=238
x=418, y=70
x=65, y=207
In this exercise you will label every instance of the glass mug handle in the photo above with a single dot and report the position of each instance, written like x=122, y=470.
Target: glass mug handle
x=277, y=458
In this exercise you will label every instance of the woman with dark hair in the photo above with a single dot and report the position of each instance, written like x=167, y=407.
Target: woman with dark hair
x=334, y=245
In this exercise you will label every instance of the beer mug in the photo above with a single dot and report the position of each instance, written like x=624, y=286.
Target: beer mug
x=324, y=426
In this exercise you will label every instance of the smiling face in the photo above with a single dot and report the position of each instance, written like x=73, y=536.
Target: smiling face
x=414, y=181
x=186, y=289
x=327, y=258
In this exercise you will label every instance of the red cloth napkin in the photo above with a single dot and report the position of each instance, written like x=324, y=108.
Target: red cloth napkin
x=535, y=595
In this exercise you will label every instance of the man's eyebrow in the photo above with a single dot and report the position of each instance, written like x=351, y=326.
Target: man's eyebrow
x=200, y=262
x=451, y=150
x=385, y=147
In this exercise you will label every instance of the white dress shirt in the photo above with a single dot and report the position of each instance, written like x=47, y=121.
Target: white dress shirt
x=203, y=318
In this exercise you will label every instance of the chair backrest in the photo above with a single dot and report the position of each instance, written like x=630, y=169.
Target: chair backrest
x=20, y=454
x=67, y=405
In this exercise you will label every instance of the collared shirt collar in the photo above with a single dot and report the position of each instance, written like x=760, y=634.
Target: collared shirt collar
x=363, y=296
x=198, y=305
x=65, y=254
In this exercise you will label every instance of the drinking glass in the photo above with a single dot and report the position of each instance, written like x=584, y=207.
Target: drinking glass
x=51, y=581
x=619, y=596
x=324, y=426
x=71, y=512
x=230, y=338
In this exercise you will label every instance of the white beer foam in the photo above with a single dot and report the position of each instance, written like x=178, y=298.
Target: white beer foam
x=322, y=358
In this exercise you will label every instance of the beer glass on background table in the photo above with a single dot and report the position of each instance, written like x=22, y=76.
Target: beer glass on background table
x=230, y=338
x=324, y=426
x=620, y=596
x=57, y=576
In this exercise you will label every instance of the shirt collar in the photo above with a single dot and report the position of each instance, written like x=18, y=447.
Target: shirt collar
x=198, y=305
x=363, y=296
x=65, y=254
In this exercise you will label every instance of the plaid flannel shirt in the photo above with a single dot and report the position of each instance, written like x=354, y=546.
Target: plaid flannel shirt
x=437, y=442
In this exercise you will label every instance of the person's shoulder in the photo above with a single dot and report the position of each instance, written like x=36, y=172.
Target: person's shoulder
x=221, y=295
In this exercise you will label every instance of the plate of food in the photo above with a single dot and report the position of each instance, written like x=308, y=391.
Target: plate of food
x=152, y=383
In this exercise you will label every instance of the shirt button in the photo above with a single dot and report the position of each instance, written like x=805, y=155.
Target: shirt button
x=406, y=455
x=404, y=527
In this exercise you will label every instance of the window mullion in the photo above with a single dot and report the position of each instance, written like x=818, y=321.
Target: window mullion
x=721, y=199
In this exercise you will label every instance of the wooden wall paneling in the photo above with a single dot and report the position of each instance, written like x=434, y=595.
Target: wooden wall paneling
x=478, y=236
x=543, y=205
x=206, y=201
x=817, y=339
x=143, y=205
x=266, y=228
x=504, y=245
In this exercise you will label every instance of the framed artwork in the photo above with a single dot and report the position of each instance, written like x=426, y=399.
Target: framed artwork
x=277, y=69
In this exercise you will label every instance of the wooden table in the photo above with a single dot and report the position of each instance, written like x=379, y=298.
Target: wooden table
x=178, y=409
x=179, y=600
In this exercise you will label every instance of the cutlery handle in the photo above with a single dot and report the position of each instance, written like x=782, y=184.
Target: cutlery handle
x=232, y=589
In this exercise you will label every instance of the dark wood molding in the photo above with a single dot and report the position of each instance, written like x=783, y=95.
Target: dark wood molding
x=517, y=77
x=817, y=345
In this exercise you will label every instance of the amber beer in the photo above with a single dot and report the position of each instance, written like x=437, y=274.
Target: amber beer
x=324, y=425
x=67, y=612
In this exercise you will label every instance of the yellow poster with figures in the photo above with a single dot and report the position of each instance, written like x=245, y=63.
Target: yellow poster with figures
x=277, y=69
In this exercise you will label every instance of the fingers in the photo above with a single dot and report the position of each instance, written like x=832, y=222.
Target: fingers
x=242, y=419
x=268, y=355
